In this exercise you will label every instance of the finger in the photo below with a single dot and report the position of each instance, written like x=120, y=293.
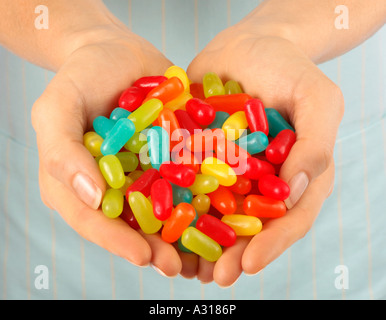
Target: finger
x=59, y=121
x=205, y=270
x=114, y=235
x=279, y=234
x=228, y=268
x=165, y=259
x=189, y=264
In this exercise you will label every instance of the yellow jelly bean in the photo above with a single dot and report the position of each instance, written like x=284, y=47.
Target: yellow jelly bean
x=201, y=203
x=212, y=85
x=204, y=183
x=179, y=102
x=242, y=224
x=143, y=212
x=93, y=141
x=225, y=175
x=176, y=71
x=232, y=87
x=112, y=203
x=129, y=161
x=235, y=125
x=201, y=244
x=136, y=142
x=146, y=114
x=112, y=171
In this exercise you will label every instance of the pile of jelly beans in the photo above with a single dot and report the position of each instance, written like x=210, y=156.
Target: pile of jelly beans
x=197, y=163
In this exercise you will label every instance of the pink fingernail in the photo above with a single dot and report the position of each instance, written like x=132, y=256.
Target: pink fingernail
x=87, y=190
x=298, y=185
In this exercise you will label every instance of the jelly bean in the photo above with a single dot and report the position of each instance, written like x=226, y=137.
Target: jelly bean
x=219, y=120
x=239, y=203
x=180, y=219
x=93, y=141
x=144, y=160
x=233, y=155
x=131, y=98
x=217, y=230
x=168, y=120
x=212, y=85
x=158, y=143
x=223, y=200
x=201, y=204
x=264, y=207
x=148, y=83
x=276, y=122
x=256, y=117
x=181, y=194
x=256, y=168
x=229, y=103
x=178, y=102
x=112, y=171
x=200, y=111
x=187, y=158
x=273, y=187
x=205, y=140
x=134, y=175
x=254, y=142
x=143, y=212
x=112, y=203
x=146, y=114
x=186, y=122
x=127, y=215
x=201, y=244
x=204, y=183
x=178, y=174
x=128, y=183
x=243, y=225
x=129, y=161
x=167, y=90
x=232, y=87
x=235, y=125
x=122, y=131
x=279, y=148
x=119, y=113
x=219, y=169
x=197, y=90
x=102, y=126
x=136, y=143
x=143, y=183
x=243, y=185
x=162, y=199
x=176, y=71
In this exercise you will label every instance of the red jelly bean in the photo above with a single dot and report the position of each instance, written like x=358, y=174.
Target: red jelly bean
x=264, y=207
x=186, y=122
x=178, y=174
x=205, y=140
x=131, y=98
x=181, y=217
x=243, y=185
x=127, y=215
x=149, y=83
x=273, y=187
x=197, y=90
x=162, y=199
x=279, y=148
x=229, y=103
x=144, y=182
x=187, y=158
x=256, y=117
x=200, y=111
x=223, y=200
x=167, y=90
x=214, y=228
x=256, y=168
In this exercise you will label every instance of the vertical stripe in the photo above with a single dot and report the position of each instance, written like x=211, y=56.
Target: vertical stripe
x=53, y=253
x=313, y=248
x=229, y=13
x=288, y=274
x=261, y=274
x=113, y=291
x=196, y=46
x=130, y=16
x=381, y=102
x=82, y=268
x=171, y=286
x=163, y=27
x=365, y=182
x=202, y=291
x=140, y=278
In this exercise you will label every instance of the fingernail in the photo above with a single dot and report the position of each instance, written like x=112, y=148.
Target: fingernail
x=158, y=270
x=87, y=190
x=298, y=185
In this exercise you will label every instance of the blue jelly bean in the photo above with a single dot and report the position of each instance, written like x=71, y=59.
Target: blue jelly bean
x=181, y=194
x=276, y=122
x=158, y=143
x=119, y=113
x=254, y=142
x=122, y=131
x=102, y=126
x=219, y=120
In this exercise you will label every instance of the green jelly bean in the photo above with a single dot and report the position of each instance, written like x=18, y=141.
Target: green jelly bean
x=112, y=171
x=181, y=194
x=276, y=122
x=102, y=126
x=254, y=142
x=158, y=143
x=119, y=113
x=129, y=161
x=219, y=120
x=136, y=142
x=232, y=87
x=146, y=114
x=122, y=131
x=212, y=85
x=112, y=203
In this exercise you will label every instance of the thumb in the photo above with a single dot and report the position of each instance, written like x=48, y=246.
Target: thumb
x=316, y=119
x=60, y=122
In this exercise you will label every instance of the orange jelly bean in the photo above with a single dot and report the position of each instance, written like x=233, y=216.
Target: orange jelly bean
x=167, y=90
x=223, y=200
x=264, y=207
x=229, y=103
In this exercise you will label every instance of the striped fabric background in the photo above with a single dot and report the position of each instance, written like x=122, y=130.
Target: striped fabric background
x=349, y=231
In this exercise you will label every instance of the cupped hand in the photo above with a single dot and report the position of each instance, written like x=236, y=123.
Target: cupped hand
x=273, y=69
x=88, y=84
